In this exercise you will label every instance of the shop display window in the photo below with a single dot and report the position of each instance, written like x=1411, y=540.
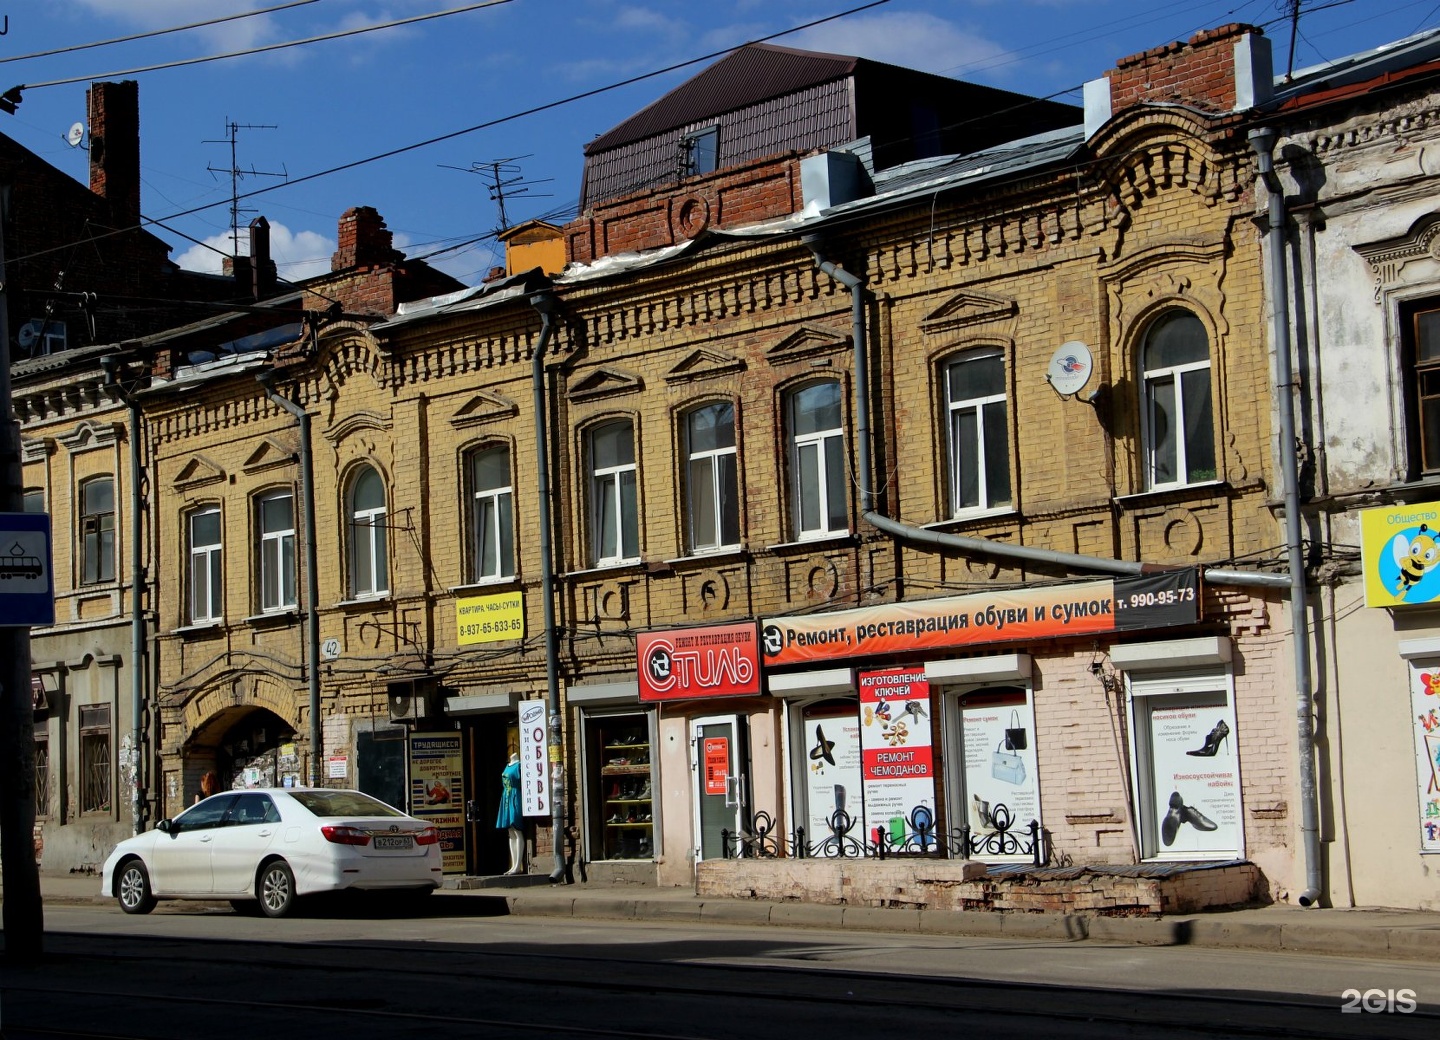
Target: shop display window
x=622, y=802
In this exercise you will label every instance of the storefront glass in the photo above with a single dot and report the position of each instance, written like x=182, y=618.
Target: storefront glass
x=619, y=781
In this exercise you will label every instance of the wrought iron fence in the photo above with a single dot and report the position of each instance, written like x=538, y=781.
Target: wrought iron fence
x=913, y=835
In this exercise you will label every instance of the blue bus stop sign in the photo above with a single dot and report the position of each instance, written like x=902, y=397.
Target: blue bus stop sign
x=27, y=586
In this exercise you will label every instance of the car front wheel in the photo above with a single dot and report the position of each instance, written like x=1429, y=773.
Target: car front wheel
x=276, y=889
x=132, y=888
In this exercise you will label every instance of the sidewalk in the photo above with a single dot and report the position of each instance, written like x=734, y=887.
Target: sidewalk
x=1369, y=933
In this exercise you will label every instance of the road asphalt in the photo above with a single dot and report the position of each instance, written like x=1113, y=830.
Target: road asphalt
x=1372, y=933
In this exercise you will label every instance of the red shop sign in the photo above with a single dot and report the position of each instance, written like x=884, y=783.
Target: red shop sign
x=717, y=764
x=715, y=661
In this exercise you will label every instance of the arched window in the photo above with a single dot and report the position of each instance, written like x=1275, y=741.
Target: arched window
x=369, y=570
x=818, y=473
x=977, y=432
x=492, y=521
x=206, y=583
x=711, y=483
x=614, y=517
x=97, y=530
x=1179, y=429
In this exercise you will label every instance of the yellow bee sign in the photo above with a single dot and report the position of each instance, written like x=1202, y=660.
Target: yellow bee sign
x=489, y=619
x=1401, y=555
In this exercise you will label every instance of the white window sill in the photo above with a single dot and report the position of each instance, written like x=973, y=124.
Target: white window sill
x=709, y=555
x=816, y=541
x=199, y=627
x=971, y=515
x=487, y=583
x=364, y=601
x=1149, y=494
x=288, y=614
x=604, y=568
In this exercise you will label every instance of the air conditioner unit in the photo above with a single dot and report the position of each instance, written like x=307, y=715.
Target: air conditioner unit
x=409, y=699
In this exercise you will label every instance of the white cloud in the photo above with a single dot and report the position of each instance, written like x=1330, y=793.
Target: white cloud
x=297, y=254
x=163, y=14
x=916, y=41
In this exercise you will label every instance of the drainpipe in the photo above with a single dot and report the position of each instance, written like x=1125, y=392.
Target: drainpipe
x=1262, y=140
x=961, y=543
x=110, y=365
x=312, y=580
x=544, y=303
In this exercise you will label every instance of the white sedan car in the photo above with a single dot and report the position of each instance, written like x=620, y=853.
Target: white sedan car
x=267, y=847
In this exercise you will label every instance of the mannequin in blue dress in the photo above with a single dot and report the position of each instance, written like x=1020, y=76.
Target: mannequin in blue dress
x=509, y=817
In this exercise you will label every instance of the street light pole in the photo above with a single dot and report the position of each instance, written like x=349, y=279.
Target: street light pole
x=23, y=913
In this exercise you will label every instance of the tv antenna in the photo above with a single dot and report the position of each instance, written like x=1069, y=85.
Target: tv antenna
x=237, y=175
x=504, y=175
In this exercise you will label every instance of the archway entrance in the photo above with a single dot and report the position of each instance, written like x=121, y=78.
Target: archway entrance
x=247, y=746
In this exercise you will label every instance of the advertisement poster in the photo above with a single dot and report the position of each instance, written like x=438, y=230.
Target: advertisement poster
x=437, y=793
x=1400, y=553
x=715, y=661
x=534, y=759
x=1016, y=615
x=717, y=764
x=833, y=780
x=1197, y=781
x=896, y=751
x=489, y=619
x=1000, y=767
x=1425, y=702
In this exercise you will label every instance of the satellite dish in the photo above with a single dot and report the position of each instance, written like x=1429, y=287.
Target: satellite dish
x=1070, y=368
x=28, y=335
x=75, y=135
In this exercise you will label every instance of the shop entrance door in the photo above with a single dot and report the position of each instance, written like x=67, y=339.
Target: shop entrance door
x=720, y=762
x=489, y=740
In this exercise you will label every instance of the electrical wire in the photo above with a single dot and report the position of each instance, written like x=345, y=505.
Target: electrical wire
x=157, y=32
x=267, y=48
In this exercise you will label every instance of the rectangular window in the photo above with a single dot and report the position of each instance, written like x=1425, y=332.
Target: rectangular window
x=1423, y=388
x=712, y=485
x=700, y=151
x=614, y=515
x=97, y=530
x=493, y=520
x=818, y=461
x=42, y=775
x=978, y=433
x=277, y=551
x=205, y=560
x=94, y=758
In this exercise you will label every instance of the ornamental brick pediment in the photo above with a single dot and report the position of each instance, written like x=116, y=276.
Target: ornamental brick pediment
x=197, y=472
x=484, y=407
x=1388, y=257
x=89, y=436
x=354, y=423
x=807, y=341
x=269, y=455
x=703, y=364
x=605, y=382
x=965, y=309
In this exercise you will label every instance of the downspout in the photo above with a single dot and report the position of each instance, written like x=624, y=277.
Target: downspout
x=942, y=540
x=1262, y=140
x=312, y=579
x=137, y=614
x=544, y=303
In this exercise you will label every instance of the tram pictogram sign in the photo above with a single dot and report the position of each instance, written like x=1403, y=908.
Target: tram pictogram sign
x=27, y=586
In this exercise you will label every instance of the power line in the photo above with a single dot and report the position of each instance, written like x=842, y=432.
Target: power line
x=479, y=126
x=267, y=48
x=158, y=32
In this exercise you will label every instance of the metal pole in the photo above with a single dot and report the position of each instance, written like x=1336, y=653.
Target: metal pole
x=24, y=918
x=312, y=578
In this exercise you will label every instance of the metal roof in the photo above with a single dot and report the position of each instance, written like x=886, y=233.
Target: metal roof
x=754, y=73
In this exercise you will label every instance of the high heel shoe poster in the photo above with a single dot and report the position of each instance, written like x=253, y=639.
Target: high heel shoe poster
x=1196, y=780
x=983, y=728
x=832, y=775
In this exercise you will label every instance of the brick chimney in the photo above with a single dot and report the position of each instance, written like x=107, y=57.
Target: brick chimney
x=114, y=113
x=364, y=241
x=1220, y=70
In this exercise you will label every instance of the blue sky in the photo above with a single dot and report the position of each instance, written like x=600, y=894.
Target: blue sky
x=337, y=102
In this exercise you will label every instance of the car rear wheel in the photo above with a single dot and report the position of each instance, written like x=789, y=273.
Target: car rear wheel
x=276, y=888
x=132, y=888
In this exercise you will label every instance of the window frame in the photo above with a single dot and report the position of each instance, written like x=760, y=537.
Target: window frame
x=1414, y=375
x=42, y=774
x=97, y=759
x=608, y=484
x=499, y=500
x=716, y=458
x=986, y=501
x=283, y=541
x=688, y=151
x=368, y=541
x=824, y=443
x=213, y=567
x=32, y=497
x=99, y=525
x=1173, y=375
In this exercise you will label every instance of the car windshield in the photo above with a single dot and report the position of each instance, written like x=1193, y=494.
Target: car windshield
x=343, y=803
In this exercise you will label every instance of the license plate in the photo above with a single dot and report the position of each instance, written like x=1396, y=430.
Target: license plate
x=394, y=841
